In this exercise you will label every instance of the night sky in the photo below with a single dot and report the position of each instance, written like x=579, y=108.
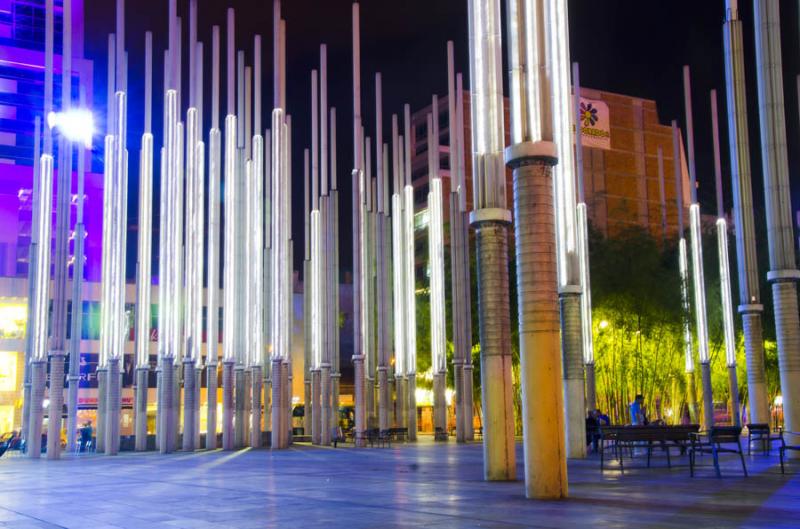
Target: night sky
x=626, y=46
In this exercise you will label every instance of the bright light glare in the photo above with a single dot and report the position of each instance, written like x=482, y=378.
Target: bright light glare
x=76, y=124
x=779, y=400
x=603, y=324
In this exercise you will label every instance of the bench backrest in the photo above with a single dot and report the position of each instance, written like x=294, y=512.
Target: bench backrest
x=725, y=434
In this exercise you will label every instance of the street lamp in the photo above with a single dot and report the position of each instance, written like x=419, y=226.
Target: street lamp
x=76, y=124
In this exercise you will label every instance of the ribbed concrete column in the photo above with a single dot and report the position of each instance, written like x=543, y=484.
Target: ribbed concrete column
x=277, y=389
x=401, y=385
x=113, y=406
x=240, y=395
x=188, y=405
x=783, y=274
x=73, y=382
x=572, y=354
x=286, y=405
x=370, y=399
x=100, y=431
x=327, y=413
x=469, y=430
x=248, y=406
x=708, y=410
x=255, y=413
x=211, y=410
x=383, y=397
x=496, y=384
x=591, y=390
x=691, y=397
x=268, y=404
x=335, y=382
x=228, y=441
x=26, y=400
x=440, y=404
x=359, y=390
x=316, y=407
x=540, y=361
x=56, y=404
x=307, y=405
x=733, y=384
x=411, y=413
x=458, y=378
x=392, y=401
x=140, y=410
x=175, y=412
x=38, y=382
x=756, y=376
x=198, y=383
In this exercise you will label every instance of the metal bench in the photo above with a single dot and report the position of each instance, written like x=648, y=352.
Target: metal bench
x=761, y=432
x=712, y=442
x=784, y=447
x=621, y=438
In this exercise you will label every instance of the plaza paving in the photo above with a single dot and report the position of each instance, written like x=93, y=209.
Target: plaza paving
x=413, y=485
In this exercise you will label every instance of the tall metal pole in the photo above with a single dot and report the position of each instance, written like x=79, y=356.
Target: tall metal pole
x=750, y=306
x=398, y=273
x=359, y=307
x=41, y=301
x=683, y=269
x=212, y=283
x=409, y=267
x=491, y=219
x=58, y=344
x=143, y=279
x=380, y=263
x=333, y=252
x=725, y=272
x=326, y=281
x=582, y=218
x=316, y=272
x=697, y=263
x=256, y=230
x=308, y=357
x=783, y=274
x=532, y=155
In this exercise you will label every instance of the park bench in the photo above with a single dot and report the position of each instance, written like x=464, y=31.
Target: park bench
x=784, y=447
x=439, y=434
x=398, y=434
x=621, y=438
x=712, y=442
x=762, y=433
x=373, y=436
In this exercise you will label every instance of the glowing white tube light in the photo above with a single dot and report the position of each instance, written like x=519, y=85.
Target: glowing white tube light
x=192, y=295
x=436, y=248
x=586, y=298
x=42, y=273
x=229, y=271
x=145, y=225
x=563, y=173
x=197, y=317
x=316, y=291
x=698, y=282
x=398, y=277
x=683, y=267
x=106, y=266
x=410, y=281
x=257, y=228
x=281, y=265
x=116, y=312
x=725, y=286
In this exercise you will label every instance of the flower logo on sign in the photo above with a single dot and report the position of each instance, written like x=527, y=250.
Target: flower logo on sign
x=588, y=114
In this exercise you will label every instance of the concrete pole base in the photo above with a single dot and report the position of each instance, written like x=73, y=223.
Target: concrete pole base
x=247, y=401
x=756, y=378
x=787, y=330
x=140, y=410
x=307, y=404
x=268, y=404
x=411, y=414
x=591, y=388
x=198, y=384
x=255, y=409
x=188, y=405
x=113, y=406
x=383, y=398
x=227, y=405
x=278, y=437
x=458, y=378
x=733, y=386
x=73, y=382
x=691, y=397
x=469, y=409
x=38, y=383
x=360, y=400
x=335, y=399
x=708, y=399
x=239, y=407
x=211, y=406
x=401, y=388
x=286, y=405
x=56, y=405
x=572, y=355
x=327, y=415
x=100, y=431
x=439, y=406
x=316, y=406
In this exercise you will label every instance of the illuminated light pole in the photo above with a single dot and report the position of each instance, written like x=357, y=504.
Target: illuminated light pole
x=32, y=269
x=316, y=255
x=359, y=272
x=398, y=274
x=267, y=273
x=783, y=274
x=490, y=219
x=725, y=271
x=77, y=296
x=212, y=292
x=582, y=219
x=380, y=266
x=326, y=282
x=58, y=343
x=230, y=257
x=436, y=260
x=333, y=252
x=308, y=357
x=143, y=277
x=410, y=282
x=750, y=306
x=532, y=155
x=697, y=263
x=239, y=217
x=41, y=299
x=557, y=47
x=683, y=269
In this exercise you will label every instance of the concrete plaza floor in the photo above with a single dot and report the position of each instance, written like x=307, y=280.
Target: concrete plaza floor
x=412, y=485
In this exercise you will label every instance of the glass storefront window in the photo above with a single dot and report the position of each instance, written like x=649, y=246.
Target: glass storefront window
x=13, y=320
